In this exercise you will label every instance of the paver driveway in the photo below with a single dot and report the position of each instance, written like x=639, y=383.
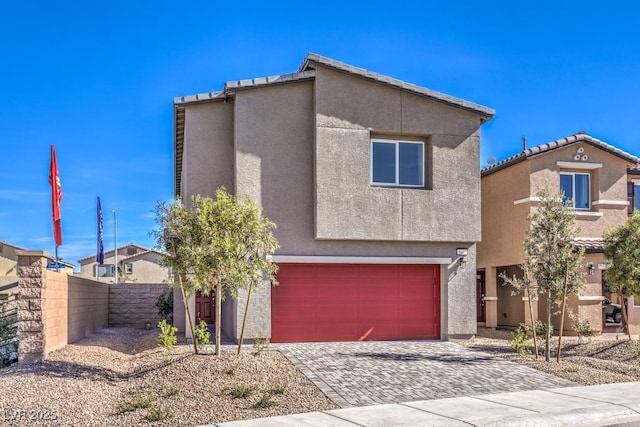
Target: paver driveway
x=372, y=372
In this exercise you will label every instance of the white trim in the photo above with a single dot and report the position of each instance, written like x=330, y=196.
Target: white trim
x=636, y=181
x=578, y=165
x=490, y=298
x=590, y=298
x=527, y=200
x=579, y=213
x=311, y=259
x=610, y=203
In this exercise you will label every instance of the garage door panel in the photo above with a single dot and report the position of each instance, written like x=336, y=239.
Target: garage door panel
x=328, y=302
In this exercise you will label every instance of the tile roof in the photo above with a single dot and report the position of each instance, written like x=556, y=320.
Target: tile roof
x=305, y=72
x=560, y=143
x=112, y=250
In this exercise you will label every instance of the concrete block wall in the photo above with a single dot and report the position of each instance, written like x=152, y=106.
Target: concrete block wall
x=54, y=309
x=134, y=304
x=87, y=307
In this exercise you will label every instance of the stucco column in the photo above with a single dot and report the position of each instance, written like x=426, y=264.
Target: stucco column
x=491, y=297
x=31, y=268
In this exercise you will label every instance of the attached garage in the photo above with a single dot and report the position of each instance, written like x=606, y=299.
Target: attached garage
x=350, y=302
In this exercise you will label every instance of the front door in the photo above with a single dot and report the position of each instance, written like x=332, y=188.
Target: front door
x=204, y=308
x=480, y=294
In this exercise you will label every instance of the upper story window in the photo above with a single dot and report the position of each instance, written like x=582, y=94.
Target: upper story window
x=633, y=195
x=398, y=163
x=575, y=187
x=128, y=268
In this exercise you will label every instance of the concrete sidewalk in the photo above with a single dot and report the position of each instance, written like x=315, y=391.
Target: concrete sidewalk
x=601, y=405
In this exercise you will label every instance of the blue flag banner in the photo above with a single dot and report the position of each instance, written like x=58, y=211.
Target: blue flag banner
x=100, y=250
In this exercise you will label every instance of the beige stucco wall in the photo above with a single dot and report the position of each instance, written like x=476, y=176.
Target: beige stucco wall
x=304, y=156
x=608, y=183
x=8, y=261
x=209, y=151
x=347, y=111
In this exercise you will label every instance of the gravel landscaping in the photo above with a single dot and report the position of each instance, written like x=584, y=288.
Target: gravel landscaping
x=599, y=360
x=121, y=377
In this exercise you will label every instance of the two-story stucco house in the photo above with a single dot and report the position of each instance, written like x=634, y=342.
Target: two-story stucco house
x=136, y=264
x=374, y=185
x=598, y=179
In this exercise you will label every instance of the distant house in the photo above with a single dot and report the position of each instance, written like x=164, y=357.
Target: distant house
x=603, y=185
x=135, y=264
x=374, y=184
x=9, y=267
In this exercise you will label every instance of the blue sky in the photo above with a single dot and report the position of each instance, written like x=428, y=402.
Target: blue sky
x=97, y=80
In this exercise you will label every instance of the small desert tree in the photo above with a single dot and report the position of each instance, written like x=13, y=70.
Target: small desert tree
x=552, y=258
x=219, y=246
x=530, y=288
x=176, y=237
x=622, y=248
x=234, y=251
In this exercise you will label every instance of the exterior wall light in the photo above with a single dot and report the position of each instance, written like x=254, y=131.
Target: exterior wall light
x=590, y=269
x=462, y=253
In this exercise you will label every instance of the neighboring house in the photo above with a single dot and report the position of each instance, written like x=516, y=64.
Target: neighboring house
x=374, y=185
x=135, y=264
x=9, y=267
x=603, y=184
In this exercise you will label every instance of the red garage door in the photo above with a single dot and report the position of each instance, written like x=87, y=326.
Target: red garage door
x=350, y=302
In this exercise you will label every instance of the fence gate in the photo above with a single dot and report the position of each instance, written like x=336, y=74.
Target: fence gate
x=8, y=330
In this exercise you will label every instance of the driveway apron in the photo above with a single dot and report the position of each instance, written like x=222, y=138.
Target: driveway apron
x=373, y=372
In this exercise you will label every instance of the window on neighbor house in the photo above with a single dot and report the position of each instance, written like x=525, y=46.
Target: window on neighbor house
x=575, y=187
x=397, y=163
x=128, y=268
x=636, y=196
x=106, y=270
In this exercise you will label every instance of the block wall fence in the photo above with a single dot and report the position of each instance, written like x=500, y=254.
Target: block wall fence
x=55, y=309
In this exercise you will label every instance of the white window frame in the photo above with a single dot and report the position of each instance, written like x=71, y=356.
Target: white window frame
x=573, y=184
x=397, y=143
x=128, y=268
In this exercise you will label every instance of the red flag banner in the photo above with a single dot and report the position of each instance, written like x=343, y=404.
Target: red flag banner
x=56, y=197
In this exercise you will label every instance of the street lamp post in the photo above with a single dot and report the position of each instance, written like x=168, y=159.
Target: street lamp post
x=115, y=243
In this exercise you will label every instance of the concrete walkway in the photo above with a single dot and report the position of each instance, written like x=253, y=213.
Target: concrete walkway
x=354, y=374
x=601, y=405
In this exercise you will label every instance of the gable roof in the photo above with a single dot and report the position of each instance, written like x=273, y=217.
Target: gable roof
x=143, y=249
x=557, y=144
x=305, y=72
x=313, y=60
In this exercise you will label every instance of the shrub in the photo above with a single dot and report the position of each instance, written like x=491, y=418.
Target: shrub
x=279, y=388
x=202, y=335
x=520, y=340
x=164, y=303
x=264, y=402
x=157, y=414
x=173, y=391
x=130, y=406
x=541, y=329
x=260, y=345
x=241, y=391
x=582, y=328
x=167, y=338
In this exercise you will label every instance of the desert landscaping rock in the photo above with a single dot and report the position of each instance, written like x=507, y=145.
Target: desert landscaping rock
x=96, y=381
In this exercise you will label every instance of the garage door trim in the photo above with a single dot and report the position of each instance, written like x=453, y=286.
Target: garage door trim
x=358, y=259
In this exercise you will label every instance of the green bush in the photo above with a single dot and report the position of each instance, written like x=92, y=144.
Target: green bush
x=164, y=303
x=157, y=414
x=260, y=345
x=241, y=391
x=541, y=329
x=264, y=402
x=520, y=340
x=132, y=405
x=582, y=328
x=202, y=335
x=167, y=338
